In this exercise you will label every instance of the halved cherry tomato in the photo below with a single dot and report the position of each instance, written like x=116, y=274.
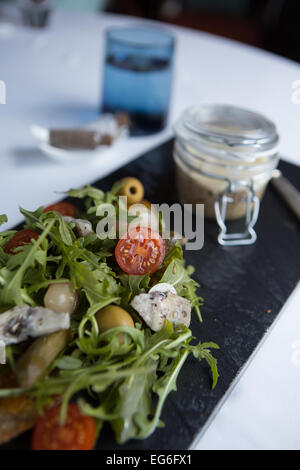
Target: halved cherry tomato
x=63, y=208
x=140, y=251
x=21, y=238
x=78, y=432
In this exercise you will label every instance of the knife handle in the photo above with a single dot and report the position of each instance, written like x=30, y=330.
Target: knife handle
x=289, y=193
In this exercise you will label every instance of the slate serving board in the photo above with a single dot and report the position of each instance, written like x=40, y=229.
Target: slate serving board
x=244, y=289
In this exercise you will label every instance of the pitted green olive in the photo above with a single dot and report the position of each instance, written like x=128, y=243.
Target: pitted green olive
x=133, y=190
x=61, y=298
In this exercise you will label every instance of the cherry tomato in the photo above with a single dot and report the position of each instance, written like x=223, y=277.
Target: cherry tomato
x=21, y=238
x=63, y=208
x=140, y=251
x=78, y=432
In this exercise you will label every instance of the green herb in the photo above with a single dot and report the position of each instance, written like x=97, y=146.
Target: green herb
x=179, y=276
x=128, y=380
x=3, y=219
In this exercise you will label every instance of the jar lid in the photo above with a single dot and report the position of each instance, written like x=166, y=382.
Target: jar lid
x=229, y=126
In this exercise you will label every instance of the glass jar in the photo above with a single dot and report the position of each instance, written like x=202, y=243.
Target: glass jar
x=225, y=157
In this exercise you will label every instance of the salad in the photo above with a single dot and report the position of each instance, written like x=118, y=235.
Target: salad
x=93, y=329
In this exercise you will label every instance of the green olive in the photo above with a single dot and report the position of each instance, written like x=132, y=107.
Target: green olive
x=113, y=316
x=133, y=190
x=61, y=298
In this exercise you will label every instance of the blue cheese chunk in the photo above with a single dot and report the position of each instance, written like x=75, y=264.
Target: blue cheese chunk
x=23, y=322
x=82, y=227
x=2, y=353
x=158, y=306
x=163, y=287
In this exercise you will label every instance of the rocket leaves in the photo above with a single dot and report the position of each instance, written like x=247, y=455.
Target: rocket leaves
x=179, y=276
x=3, y=219
x=128, y=379
x=12, y=292
x=124, y=388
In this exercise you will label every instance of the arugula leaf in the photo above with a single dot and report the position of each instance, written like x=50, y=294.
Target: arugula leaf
x=32, y=219
x=3, y=219
x=174, y=252
x=87, y=191
x=12, y=292
x=135, y=284
x=66, y=232
x=178, y=276
x=122, y=377
x=68, y=363
x=202, y=351
x=162, y=387
x=134, y=401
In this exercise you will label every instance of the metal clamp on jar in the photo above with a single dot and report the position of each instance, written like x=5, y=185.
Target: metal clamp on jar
x=225, y=157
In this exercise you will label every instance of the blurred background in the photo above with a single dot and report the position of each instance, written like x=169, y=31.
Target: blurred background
x=269, y=24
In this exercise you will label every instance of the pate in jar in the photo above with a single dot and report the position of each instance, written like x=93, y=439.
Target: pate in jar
x=225, y=157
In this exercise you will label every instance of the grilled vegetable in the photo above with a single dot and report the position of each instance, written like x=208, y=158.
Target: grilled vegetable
x=17, y=414
x=37, y=358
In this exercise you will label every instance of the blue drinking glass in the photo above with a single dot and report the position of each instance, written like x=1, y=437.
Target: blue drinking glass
x=138, y=76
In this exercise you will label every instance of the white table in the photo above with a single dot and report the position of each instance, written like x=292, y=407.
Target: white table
x=53, y=78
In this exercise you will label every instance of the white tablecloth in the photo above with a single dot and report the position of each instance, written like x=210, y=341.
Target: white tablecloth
x=53, y=78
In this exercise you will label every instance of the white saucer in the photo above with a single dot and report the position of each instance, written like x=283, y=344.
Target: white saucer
x=41, y=134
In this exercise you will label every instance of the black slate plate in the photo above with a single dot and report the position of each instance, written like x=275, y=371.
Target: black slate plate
x=244, y=289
